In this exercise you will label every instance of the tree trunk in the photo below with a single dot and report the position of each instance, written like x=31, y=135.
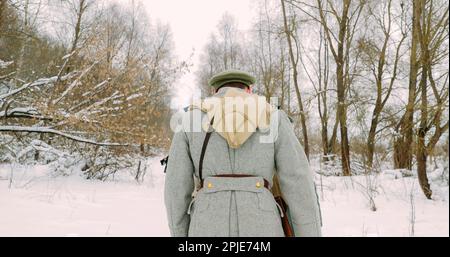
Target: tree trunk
x=371, y=141
x=322, y=103
x=333, y=139
x=341, y=83
x=295, y=78
x=341, y=89
x=403, y=144
x=25, y=41
x=421, y=153
x=422, y=164
x=77, y=30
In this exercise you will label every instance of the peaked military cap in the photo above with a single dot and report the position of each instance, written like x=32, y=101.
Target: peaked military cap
x=230, y=76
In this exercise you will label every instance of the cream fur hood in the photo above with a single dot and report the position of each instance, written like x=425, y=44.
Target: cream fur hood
x=237, y=114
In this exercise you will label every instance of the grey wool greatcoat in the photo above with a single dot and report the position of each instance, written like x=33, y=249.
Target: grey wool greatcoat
x=235, y=206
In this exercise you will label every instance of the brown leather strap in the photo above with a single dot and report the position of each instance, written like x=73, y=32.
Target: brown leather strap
x=266, y=183
x=202, y=155
x=287, y=228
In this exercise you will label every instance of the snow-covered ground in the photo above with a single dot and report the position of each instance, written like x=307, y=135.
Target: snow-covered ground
x=39, y=204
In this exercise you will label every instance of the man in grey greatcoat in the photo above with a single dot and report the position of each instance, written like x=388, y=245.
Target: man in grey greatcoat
x=226, y=192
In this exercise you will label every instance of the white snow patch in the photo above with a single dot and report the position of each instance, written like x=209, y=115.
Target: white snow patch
x=38, y=203
x=4, y=64
x=346, y=209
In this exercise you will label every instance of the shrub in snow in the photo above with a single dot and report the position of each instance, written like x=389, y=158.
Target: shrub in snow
x=333, y=166
x=91, y=162
x=440, y=176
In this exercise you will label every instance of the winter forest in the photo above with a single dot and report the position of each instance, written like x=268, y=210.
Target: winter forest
x=87, y=90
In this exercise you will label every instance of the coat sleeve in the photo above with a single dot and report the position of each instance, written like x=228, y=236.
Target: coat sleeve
x=296, y=181
x=179, y=185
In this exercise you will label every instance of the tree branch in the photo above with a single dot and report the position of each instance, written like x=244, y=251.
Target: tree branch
x=56, y=132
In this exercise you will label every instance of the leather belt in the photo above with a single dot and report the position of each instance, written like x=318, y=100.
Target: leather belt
x=266, y=183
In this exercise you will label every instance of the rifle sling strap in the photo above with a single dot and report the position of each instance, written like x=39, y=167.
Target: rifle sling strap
x=202, y=155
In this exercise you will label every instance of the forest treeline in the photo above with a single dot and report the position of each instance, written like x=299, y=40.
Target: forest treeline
x=83, y=76
x=366, y=81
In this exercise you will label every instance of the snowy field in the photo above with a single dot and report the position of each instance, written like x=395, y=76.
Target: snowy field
x=37, y=203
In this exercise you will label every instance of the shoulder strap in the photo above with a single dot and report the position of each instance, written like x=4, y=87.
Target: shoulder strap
x=202, y=155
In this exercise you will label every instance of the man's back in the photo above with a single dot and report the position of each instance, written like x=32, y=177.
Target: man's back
x=238, y=170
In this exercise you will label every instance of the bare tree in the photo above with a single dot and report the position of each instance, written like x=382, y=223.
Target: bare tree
x=294, y=63
x=106, y=87
x=433, y=32
x=404, y=128
x=377, y=60
x=222, y=52
x=340, y=47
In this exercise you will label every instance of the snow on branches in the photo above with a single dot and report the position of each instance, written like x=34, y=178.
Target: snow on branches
x=104, y=89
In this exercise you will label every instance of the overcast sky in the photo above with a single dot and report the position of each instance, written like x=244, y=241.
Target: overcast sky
x=192, y=21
